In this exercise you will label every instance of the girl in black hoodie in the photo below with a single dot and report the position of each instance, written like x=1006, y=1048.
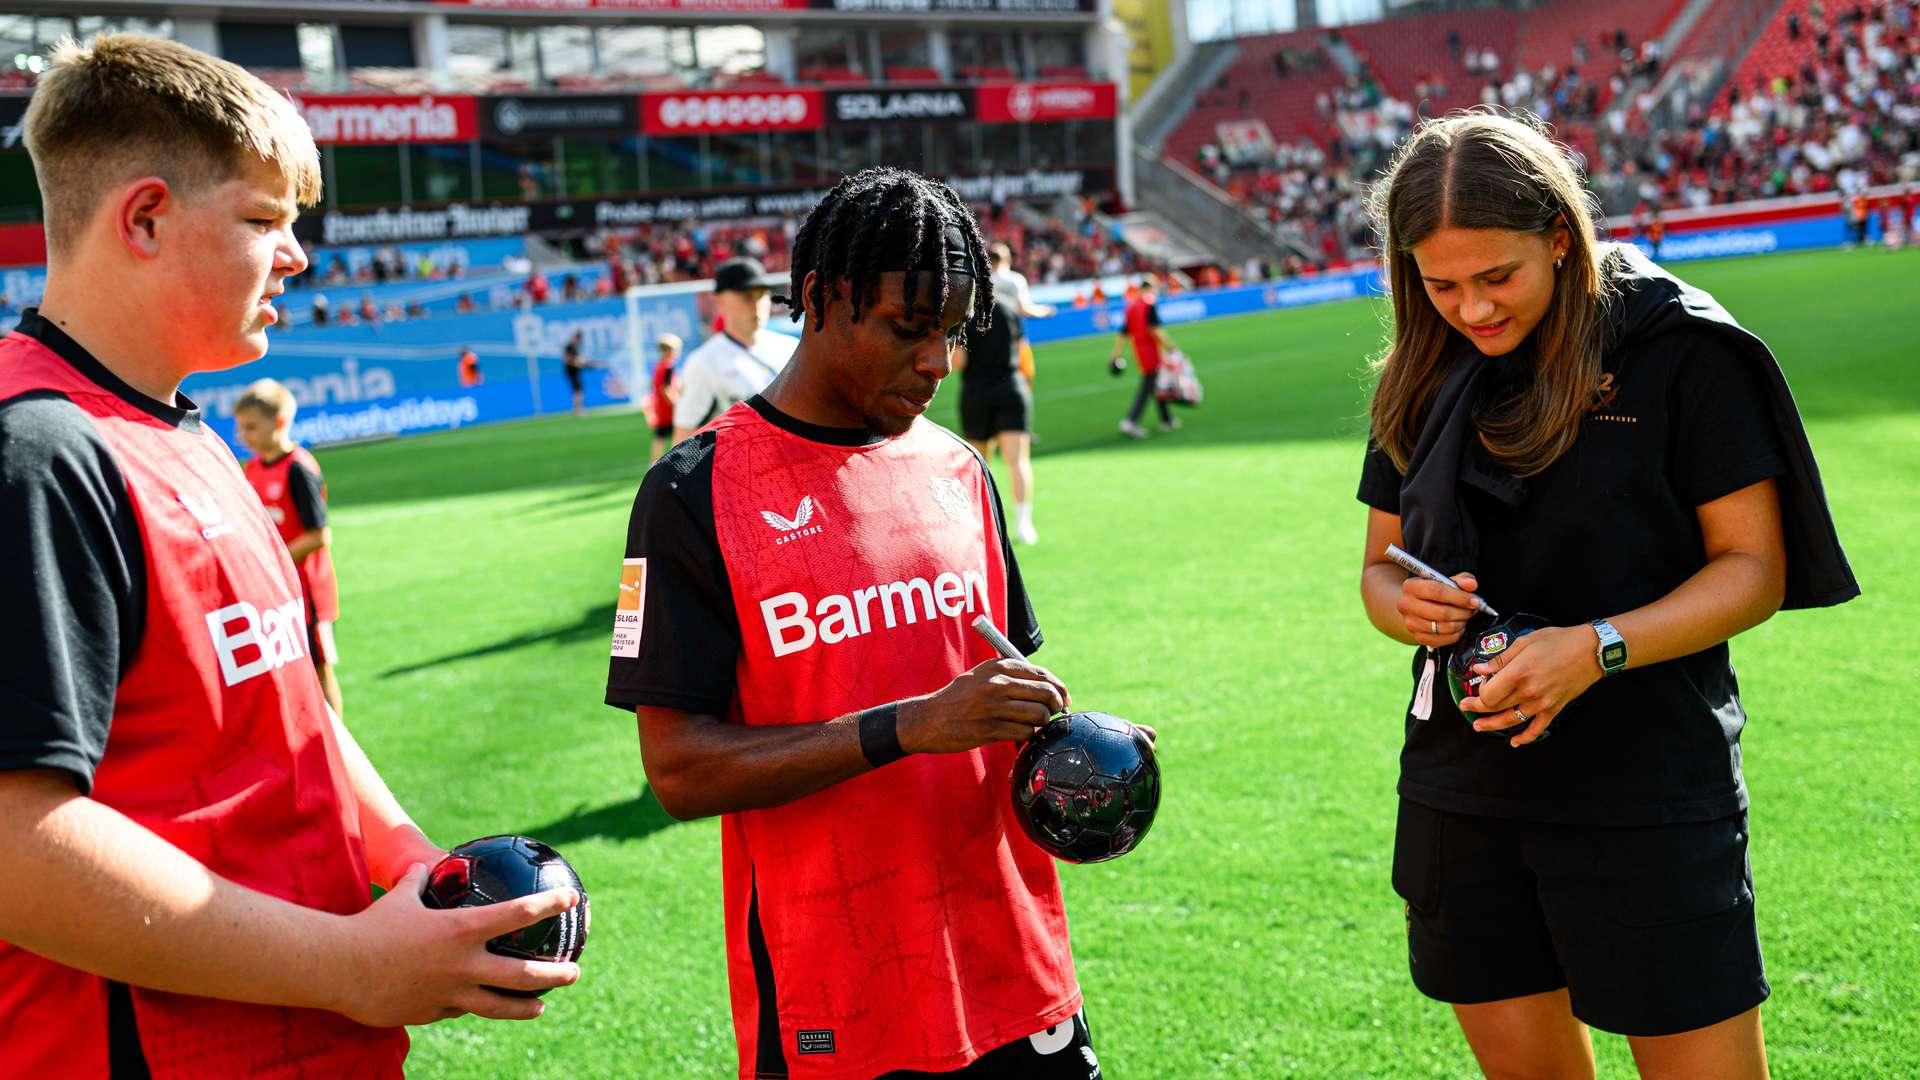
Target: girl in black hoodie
x=1572, y=433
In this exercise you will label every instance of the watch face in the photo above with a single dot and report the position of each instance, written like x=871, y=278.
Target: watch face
x=1614, y=656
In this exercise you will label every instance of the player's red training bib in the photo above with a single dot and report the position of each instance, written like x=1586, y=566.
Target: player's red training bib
x=1146, y=344
x=898, y=919
x=220, y=745
x=276, y=494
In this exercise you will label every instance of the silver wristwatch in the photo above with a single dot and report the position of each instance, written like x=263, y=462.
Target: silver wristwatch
x=1612, y=651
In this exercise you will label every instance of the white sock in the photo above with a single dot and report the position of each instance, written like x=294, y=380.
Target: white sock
x=1022, y=515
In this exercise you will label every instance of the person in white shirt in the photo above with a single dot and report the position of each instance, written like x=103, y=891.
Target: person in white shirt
x=742, y=359
x=1012, y=284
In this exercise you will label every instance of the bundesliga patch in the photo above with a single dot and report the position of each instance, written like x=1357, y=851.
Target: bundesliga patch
x=628, y=607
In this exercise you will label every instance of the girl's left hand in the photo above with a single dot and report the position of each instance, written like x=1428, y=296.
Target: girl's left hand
x=1536, y=678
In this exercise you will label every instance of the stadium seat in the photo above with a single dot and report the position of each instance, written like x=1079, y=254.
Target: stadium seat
x=905, y=74
x=1775, y=51
x=1285, y=104
x=831, y=76
x=1547, y=33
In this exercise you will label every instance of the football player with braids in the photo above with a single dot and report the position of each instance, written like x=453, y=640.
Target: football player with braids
x=801, y=664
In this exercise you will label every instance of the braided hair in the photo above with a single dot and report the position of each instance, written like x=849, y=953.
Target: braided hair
x=869, y=216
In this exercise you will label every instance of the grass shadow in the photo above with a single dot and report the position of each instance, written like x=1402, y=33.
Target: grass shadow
x=631, y=819
x=592, y=624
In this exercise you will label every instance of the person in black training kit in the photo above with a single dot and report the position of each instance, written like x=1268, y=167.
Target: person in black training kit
x=1572, y=432
x=996, y=405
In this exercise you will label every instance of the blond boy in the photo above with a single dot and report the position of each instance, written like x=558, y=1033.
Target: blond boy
x=288, y=481
x=188, y=834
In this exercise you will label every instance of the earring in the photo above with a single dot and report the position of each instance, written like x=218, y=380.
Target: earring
x=1557, y=262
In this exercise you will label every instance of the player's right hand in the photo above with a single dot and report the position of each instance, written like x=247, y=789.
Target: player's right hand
x=411, y=964
x=1436, y=614
x=997, y=701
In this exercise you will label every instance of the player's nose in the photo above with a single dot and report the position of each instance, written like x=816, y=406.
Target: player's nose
x=934, y=359
x=293, y=256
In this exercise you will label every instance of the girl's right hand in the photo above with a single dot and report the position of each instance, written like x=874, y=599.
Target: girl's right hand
x=1437, y=614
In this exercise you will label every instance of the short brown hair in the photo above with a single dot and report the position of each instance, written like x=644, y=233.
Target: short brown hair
x=124, y=106
x=267, y=398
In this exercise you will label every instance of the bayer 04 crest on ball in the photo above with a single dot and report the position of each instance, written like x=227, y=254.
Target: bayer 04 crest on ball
x=1477, y=646
x=496, y=868
x=1085, y=788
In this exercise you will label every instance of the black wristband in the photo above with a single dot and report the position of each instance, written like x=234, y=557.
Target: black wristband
x=880, y=735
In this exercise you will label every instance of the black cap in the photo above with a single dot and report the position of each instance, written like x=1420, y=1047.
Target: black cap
x=739, y=275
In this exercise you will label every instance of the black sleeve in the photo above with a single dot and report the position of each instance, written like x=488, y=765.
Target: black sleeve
x=1153, y=314
x=1725, y=436
x=689, y=640
x=1023, y=627
x=309, y=502
x=72, y=584
x=1379, y=480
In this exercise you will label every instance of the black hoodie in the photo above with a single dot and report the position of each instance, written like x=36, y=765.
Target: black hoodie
x=1692, y=407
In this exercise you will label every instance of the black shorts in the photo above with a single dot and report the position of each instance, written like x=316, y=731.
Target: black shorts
x=998, y=407
x=1651, y=930
x=573, y=376
x=664, y=431
x=1061, y=1052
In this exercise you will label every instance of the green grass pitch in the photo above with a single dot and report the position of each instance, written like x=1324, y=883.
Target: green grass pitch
x=1203, y=581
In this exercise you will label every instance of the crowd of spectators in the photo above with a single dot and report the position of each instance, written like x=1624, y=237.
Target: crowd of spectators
x=1846, y=120
x=1076, y=244
x=1070, y=246
x=1849, y=118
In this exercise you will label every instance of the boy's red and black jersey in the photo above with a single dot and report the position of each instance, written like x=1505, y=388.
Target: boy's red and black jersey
x=158, y=656
x=295, y=496
x=782, y=573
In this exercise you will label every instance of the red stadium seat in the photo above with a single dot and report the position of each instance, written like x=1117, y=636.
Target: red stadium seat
x=905, y=74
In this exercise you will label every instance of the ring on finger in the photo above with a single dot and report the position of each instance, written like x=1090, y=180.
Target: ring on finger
x=1435, y=624
x=1519, y=716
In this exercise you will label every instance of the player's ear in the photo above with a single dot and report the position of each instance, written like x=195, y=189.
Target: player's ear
x=806, y=300
x=137, y=211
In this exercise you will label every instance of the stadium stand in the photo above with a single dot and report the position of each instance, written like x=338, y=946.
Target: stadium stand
x=1817, y=106
x=1826, y=99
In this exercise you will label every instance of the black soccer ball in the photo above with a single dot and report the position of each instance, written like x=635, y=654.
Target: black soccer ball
x=496, y=868
x=1477, y=646
x=1116, y=368
x=1085, y=787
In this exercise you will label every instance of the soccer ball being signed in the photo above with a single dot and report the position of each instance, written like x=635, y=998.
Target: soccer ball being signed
x=1085, y=788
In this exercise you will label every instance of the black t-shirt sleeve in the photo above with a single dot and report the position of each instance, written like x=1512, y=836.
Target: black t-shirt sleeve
x=309, y=502
x=1379, y=480
x=72, y=585
x=1153, y=314
x=1724, y=433
x=1023, y=627
x=689, y=639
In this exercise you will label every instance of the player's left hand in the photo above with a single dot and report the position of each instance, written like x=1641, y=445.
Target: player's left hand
x=1533, y=681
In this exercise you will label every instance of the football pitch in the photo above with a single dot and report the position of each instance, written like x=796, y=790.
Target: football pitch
x=1203, y=581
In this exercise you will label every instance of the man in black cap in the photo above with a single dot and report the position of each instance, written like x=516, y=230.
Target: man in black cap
x=739, y=361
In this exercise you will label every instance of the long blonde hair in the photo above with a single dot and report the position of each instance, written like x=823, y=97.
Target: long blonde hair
x=1482, y=169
